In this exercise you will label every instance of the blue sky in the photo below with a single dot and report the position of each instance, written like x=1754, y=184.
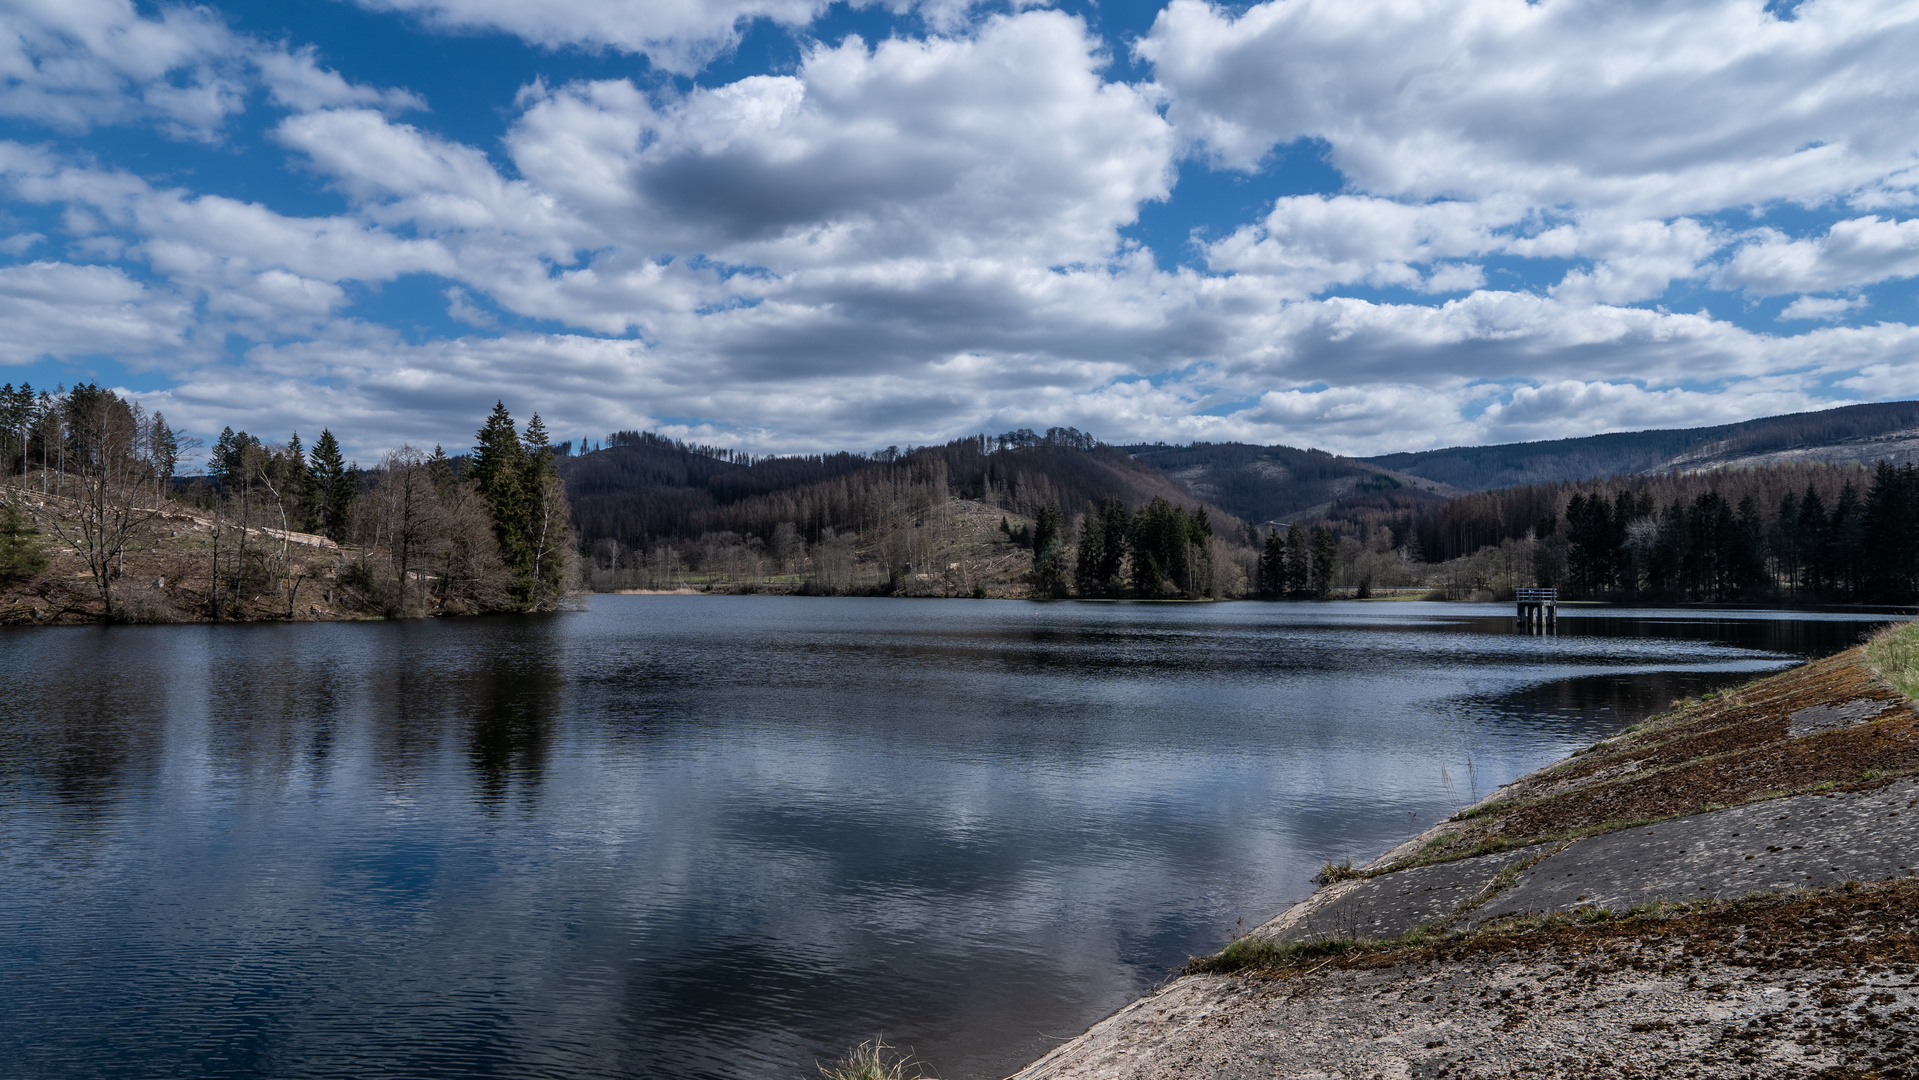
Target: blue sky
x=792, y=226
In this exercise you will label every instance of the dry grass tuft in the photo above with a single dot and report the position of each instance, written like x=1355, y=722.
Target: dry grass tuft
x=1332, y=872
x=873, y=1060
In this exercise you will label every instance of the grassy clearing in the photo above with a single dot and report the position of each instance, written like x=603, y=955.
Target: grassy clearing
x=873, y=1060
x=1893, y=655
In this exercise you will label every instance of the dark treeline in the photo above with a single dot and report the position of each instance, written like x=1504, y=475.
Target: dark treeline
x=1297, y=565
x=1858, y=545
x=1439, y=531
x=1800, y=532
x=1153, y=550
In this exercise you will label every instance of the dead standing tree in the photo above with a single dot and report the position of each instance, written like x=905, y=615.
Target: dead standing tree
x=111, y=470
x=407, y=505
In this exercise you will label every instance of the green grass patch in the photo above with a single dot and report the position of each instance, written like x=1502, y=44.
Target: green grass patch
x=1893, y=655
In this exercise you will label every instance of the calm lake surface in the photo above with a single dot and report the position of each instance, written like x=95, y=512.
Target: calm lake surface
x=729, y=836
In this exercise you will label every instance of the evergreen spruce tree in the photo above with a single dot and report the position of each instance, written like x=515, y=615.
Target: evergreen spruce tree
x=1815, y=541
x=221, y=461
x=546, y=529
x=1092, y=544
x=1325, y=560
x=440, y=468
x=1845, y=534
x=1115, y=525
x=166, y=448
x=497, y=469
x=1046, y=529
x=1299, y=574
x=1199, y=562
x=1049, y=553
x=1272, y=566
x=327, y=483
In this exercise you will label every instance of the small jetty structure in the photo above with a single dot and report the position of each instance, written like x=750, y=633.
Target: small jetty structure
x=1539, y=608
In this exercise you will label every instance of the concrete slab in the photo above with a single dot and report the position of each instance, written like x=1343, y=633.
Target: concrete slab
x=1817, y=718
x=1397, y=903
x=1807, y=840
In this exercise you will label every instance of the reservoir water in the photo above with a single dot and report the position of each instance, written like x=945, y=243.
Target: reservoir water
x=730, y=836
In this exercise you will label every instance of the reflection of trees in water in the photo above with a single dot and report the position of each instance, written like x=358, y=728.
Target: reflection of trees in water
x=494, y=684
x=273, y=701
x=75, y=722
x=1621, y=697
x=1809, y=638
x=507, y=740
x=86, y=746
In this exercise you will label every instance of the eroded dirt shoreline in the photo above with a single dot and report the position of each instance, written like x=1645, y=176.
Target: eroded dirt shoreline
x=1731, y=889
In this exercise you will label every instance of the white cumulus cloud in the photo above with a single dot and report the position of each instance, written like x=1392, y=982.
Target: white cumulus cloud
x=1859, y=251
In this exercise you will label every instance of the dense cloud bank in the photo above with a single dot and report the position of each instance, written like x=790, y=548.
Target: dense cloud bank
x=1527, y=219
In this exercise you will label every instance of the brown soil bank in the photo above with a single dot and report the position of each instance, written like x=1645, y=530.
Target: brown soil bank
x=181, y=564
x=1731, y=889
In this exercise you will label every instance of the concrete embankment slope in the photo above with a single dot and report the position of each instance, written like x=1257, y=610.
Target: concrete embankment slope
x=1731, y=889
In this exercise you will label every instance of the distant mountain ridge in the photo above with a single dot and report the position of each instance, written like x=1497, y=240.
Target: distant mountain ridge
x=1277, y=483
x=643, y=486
x=1262, y=484
x=1852, y=434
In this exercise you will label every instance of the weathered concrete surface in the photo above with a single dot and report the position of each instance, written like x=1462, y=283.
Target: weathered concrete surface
x=1636, y=1006
x=1794, y=984
x=1814, y=719
x=1391, y=905
x=1803, y=842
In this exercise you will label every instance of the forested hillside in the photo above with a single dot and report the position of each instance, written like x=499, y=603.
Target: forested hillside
x=1275, y=483
x=1279, y=483
x=1856, y=434
x=1753, y=513
x=1062, y=515
x=922, y=519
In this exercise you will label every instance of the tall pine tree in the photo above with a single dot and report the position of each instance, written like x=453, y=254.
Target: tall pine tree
x=331, y=488
x=546, y=527
x=500, y=470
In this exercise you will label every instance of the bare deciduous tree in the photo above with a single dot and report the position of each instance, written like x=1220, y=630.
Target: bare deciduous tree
x=110, y=455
